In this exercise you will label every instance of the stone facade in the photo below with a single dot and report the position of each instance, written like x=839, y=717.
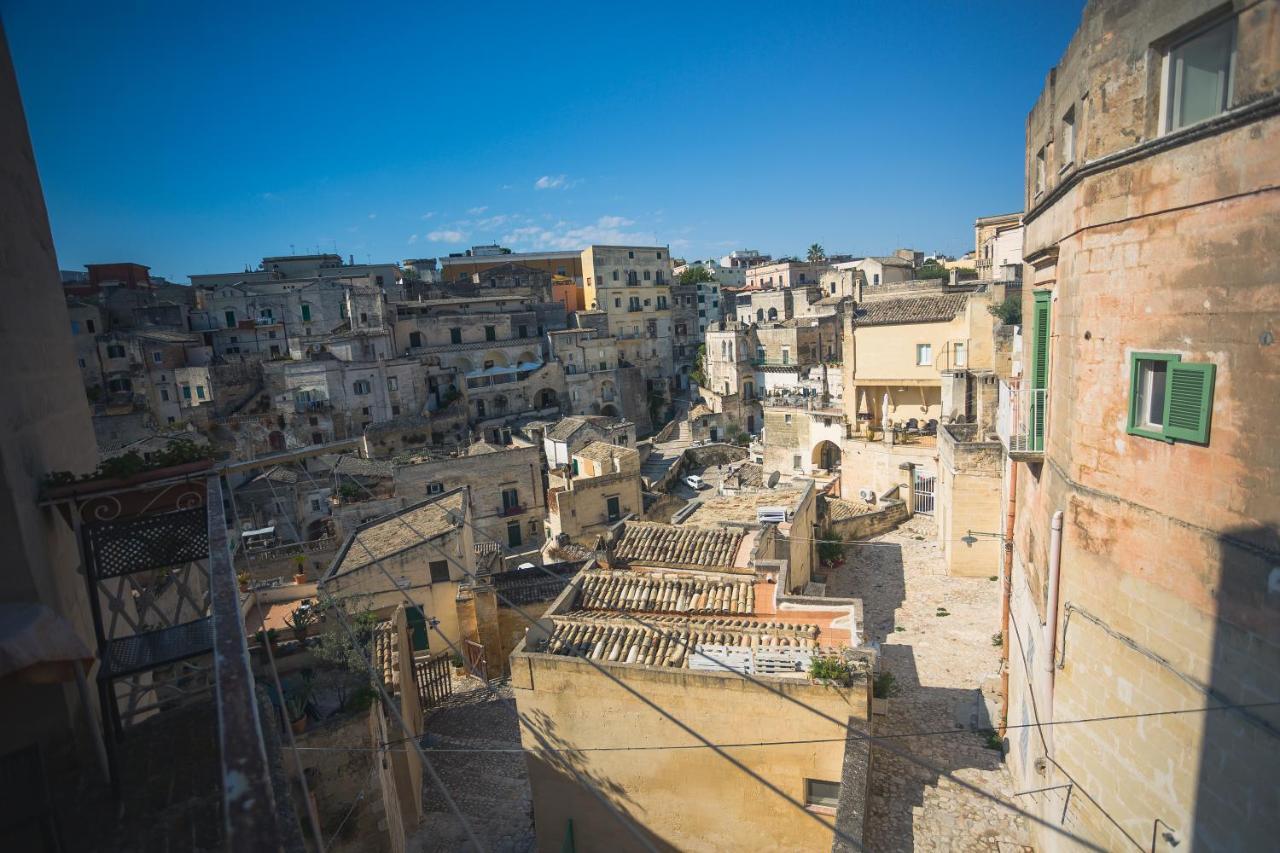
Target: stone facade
x=1148, y=237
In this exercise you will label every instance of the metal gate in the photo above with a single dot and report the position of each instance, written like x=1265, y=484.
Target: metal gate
x=434, y=683
x=924, y=493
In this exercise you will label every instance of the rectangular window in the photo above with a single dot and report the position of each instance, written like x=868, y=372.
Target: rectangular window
x=510, y=500
x=200, y=392
x=317, y=438
x=490, y=333
x=186, y=392
x=796, y=463
x=361, y=386
x=1040, y=171
x=786, y=419
x=392, y=383
x=455, y=336
x=435, y=488
x=522, y=331
x=514, y=539
x=821, y=795
x=1069, y=138
x=961, y=354
x=164, y=394
x=415, y=339
x=306, y=312
x=1198, y=76
x=439, y=571
x=786, y=355
x=115, y=351
x=230, y=318
x=924, y=355
x=613, y=508
x=157, y=357
x=1170, y=399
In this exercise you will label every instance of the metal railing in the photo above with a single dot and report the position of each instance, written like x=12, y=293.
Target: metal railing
x=1028, y=420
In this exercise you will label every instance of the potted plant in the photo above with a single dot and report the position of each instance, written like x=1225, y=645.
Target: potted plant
x=883, y=687
x=267, y=638
x=243, y=578
x=830, y=670
x=459, y=667
x=300, y=573
x=296, y=706
x=300, y=622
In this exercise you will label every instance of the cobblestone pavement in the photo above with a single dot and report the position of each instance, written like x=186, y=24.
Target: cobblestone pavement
x=490, y=788
x=936, y=635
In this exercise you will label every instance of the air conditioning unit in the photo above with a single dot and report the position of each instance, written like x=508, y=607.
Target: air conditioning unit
x=867, y=495
x=772, y=514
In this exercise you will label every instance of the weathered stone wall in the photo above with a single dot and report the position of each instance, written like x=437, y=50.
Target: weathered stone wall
x=887, y=516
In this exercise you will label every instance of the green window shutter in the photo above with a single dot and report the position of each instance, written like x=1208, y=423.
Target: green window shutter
x=1040, y=321
x=306, y=312
x=1189, y=401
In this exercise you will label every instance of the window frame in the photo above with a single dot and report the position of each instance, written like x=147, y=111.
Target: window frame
x=924, y=348
x=1170, y=84
x=811, y=802
x=1136, y=424
x=1170, y=433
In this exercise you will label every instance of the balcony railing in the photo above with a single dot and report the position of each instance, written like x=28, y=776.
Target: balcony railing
x=1028, y=418
x=508, y=511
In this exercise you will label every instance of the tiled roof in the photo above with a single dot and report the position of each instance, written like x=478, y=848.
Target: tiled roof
x=602, y=451
x=663, y=592
x=746, y=475
x=401, y=530
x=839, y=509
x=892, y=261
x=386, y=657
x=653, y=544
x=668, y=640
x=358, y=467
x=938, y=308
x=565, y=429
x=700, y=411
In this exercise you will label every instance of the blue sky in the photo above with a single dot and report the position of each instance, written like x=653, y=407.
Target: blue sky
x=200, y=137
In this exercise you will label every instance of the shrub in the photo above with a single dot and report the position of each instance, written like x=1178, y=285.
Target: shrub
x=884, y=685
x=829, y=551
x=830, y=669
x=1009, y=311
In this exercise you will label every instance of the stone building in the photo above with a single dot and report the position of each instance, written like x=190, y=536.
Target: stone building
x=598, y=488
x=686, y=331
x=998, y=246
x=784, y=274
x=660, y=636
x=420, y=550
x=1147, y=532
x=569, y=435
x=596, y=380
x=632, y=285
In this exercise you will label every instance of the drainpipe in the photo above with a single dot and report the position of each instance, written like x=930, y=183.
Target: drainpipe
x=1051, y=619
x=1006, y=593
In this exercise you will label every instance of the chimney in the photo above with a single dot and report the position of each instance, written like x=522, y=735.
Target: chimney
x=955, y=276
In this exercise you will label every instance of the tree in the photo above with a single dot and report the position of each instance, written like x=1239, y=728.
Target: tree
x=696, y=275
x=1009, y=311
x=698, y=374
x=817, y=253
x=346, y=659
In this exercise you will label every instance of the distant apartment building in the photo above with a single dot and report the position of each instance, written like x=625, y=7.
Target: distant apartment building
x=784, y=274
x=632, y=285
x=998, y=247
x=742, y=259
x=567, y=436
x=876, y=271
x=1143, y=572
x=304, y=268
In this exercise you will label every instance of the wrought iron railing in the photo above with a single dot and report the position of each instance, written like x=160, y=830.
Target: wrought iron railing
x=1029, y=415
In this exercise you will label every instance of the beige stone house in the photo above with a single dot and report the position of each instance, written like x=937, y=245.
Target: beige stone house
x=653, y=647
x=417, y=550
x=632, y=285
x=599, y=487
x=1143, y=573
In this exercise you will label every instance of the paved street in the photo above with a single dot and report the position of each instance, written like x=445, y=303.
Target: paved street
x=939, y=663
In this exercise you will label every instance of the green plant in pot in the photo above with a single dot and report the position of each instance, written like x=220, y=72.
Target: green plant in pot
x=300, y=622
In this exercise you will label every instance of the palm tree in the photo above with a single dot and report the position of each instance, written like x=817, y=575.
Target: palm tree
x=816, y=253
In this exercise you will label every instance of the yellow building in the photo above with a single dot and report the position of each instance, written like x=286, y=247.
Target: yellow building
x=420, y=550
x=599, y=487
x=650, y=653
x=632, y=285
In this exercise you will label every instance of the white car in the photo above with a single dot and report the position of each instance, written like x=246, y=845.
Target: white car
x=695, y=482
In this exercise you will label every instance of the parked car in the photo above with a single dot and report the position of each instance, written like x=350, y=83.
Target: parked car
x=695, y=482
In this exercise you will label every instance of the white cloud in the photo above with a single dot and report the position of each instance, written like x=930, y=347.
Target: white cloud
x=565, y=236
x=549, y=182
x=476, y=211
x=428, y=214
x=446, y=236
x=492, y=222
x=268, y=196
x=413, y=238
x=373, y=216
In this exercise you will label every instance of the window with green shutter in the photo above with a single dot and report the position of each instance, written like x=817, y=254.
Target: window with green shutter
x=1039, y=367
x=1170, y=399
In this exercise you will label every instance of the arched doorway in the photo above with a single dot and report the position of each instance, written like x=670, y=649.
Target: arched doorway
x=547, y=398
x=609, y=409
x=826, y=455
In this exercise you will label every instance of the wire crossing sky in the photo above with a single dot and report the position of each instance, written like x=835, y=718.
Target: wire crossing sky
x=200, y=137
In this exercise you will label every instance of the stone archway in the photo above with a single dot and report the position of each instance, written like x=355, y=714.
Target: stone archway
x=826, y=455
x=609, y=409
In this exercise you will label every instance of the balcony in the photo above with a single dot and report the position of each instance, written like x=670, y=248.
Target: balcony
x=508, y=511
x=1021, y=422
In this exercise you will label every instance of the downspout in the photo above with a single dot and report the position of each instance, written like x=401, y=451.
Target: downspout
x=1051, y=621
x=1006, y=593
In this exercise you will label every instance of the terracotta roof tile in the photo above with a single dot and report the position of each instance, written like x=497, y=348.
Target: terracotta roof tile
x=678, y=546
x=938, y=308
x=668, y=640
x=663, y=592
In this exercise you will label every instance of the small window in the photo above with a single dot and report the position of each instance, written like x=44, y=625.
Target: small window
x=200, y=392
x=157, y=356
x=1198, y=74
x=821, y=795
x=415, y=339
x=796, y=463
x=490, y=333
x=186, y=392
x=164, y=394
x=455, y=336
x=81, y=362
x=514, y=539
x=435, y=488
x=631, y=254
x=1069, y=138
x=317, y=438
x=230, y=317
x=306, y=312
x=613, y=508
x=392, y=383
x=439, y=571
x=1170, y=399
x=924, y=355
x=786, y=419
x=1039, y=173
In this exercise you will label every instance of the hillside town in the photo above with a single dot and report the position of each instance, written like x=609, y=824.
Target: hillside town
x=612, y=548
